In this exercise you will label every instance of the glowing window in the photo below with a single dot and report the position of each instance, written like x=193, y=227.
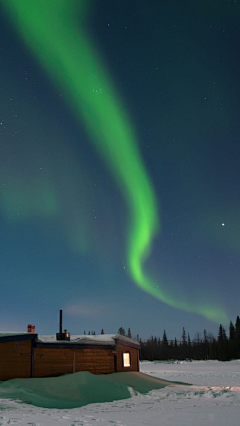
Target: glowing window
x=126, y=359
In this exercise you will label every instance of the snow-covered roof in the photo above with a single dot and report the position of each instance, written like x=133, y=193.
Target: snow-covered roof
x=101, y=339
x=12, y=333
x=82, y=339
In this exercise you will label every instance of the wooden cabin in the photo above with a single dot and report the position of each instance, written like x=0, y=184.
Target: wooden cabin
x=25, y=355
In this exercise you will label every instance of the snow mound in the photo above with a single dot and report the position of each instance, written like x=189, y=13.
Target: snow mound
x=79, y=389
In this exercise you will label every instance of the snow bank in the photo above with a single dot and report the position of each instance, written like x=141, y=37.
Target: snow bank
x=213, y=400
x=79, y=389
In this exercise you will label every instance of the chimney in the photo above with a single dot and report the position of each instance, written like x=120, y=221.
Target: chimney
x=60, y=321
x=62, y=335
x=31, y=328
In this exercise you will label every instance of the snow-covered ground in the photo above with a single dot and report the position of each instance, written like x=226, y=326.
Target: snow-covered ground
x=213, y=399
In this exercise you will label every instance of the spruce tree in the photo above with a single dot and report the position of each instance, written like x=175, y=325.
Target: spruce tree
x=205, y=354
x=222, y=344
x=231, y=340
x=176, y=349
x=184, y=336
x=189, y=347
x=237, y=339
x=164, y=347
x=231, y=331
x=164, y=339
x=121, y=331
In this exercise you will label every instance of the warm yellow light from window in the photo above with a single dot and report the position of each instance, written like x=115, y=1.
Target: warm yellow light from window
x=126, y=359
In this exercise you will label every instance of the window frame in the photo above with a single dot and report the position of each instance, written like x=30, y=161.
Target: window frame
x=130, y=359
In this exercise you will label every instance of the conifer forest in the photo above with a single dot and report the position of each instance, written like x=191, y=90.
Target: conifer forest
x=203, y=346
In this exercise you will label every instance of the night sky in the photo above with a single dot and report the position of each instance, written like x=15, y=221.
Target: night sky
x=119, y=165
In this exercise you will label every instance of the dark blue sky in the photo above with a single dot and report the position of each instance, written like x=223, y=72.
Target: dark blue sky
x=63, y=221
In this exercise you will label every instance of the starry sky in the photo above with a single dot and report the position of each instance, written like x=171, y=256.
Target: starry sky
x=119, y=165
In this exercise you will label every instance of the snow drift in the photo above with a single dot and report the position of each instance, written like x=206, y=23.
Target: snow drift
x=79, y=389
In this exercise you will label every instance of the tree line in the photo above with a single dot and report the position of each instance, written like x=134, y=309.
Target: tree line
x=202, y=347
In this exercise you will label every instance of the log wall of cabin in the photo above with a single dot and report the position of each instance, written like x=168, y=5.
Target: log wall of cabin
x=54, y=362
x=134, y=356
x=15, y=359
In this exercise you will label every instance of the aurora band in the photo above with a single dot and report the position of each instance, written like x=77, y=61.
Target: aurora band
x=55, y=34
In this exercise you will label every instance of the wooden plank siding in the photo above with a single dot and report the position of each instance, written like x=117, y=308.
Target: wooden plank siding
x=15, y=359
x=23, y=356
x=134, y=356
x=54, y=362
x=96, y=361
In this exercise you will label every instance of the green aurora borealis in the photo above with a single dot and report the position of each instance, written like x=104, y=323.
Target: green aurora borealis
x=71, y=60
x=58, y=38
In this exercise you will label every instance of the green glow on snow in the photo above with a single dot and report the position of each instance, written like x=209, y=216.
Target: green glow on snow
x=52, y=30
